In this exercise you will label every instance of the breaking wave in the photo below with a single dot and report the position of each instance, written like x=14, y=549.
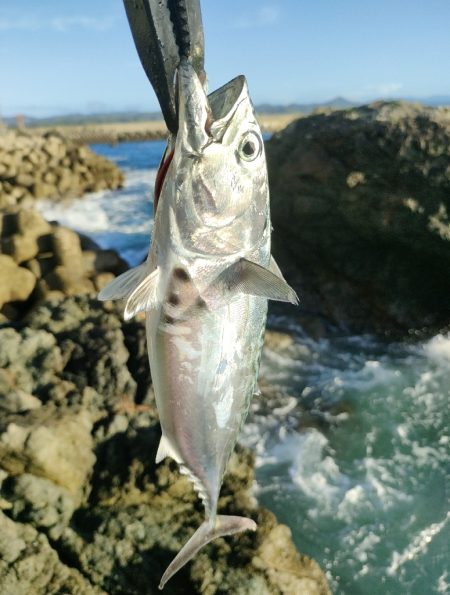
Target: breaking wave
x=120, y=219
x=358, y=469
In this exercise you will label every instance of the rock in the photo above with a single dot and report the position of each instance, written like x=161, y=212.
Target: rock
x=140, y=517
x=79, y=470
x=29, y=565
x=57, y=447
x=67, y=250
x=31, y=358
x=102, y=279
x=12, y=398
x=44, y=190
x=20, y=247
x=93, y=346
x=66, y=280
x=40, y=502
x=277, y=341
x=34, y=166
x=280, y=560
x=55, y=259
x=360, y=203
x=29, y=222
x=16, y=283
x=102, y=261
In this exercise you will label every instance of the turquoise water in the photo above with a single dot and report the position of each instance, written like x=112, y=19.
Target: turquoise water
x=354, y=455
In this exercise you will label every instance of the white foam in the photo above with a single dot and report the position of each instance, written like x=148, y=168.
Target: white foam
x=442, y=585
x=75, y=214
x=438, y=349
x=418, y=546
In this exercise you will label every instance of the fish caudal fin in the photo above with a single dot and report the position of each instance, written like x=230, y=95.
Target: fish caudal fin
x=223, y=525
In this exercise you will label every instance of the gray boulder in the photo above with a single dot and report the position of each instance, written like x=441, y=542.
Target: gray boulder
x=360, y=205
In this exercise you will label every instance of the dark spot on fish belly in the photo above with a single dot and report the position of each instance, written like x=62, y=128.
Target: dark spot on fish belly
x=173, y=299
x=169, y=319
x=180, y=274
x=200, y=303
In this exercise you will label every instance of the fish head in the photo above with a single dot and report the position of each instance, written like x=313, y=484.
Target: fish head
x=219, y=176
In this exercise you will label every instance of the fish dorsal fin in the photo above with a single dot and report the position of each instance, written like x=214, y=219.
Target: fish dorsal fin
x=165, y=449
x=123, y=285
x=248, y=277
x=144, y=297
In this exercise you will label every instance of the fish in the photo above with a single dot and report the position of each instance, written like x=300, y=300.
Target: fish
x=204, y=288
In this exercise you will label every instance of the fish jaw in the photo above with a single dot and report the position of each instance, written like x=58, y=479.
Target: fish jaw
x=215, y=187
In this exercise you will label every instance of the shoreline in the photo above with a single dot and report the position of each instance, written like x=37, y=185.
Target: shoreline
x=111, y=133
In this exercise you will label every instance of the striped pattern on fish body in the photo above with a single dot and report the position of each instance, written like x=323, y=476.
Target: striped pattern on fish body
x=204, y=288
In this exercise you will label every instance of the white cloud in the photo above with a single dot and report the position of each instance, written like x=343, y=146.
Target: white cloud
x=65, y=23
x=60, y=24
x=385, y=89
x=265, y=16
x=379, y=90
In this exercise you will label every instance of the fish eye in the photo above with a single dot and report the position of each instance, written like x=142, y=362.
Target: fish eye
x=250, y=146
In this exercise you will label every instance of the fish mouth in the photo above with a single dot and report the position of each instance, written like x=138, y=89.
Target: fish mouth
x=203, y=118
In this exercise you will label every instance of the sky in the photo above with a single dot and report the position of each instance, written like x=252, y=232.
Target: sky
x=58, y=56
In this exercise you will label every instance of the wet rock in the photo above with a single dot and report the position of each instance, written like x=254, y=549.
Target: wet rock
x=360, y=203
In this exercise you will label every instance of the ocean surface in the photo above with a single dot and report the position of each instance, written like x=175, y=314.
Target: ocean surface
x=354, y=452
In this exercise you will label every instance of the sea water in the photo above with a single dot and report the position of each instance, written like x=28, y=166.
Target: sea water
x=354, y=452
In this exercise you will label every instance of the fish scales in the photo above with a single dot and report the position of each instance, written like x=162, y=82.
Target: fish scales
x=204, y=288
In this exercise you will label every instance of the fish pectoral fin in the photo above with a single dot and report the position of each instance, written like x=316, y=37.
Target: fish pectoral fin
x=165, y=449
x=144, y=297
x=123, y=285
x=223, y=525
x=248, y=277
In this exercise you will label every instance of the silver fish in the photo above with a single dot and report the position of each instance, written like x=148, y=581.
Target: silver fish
x=204, y=288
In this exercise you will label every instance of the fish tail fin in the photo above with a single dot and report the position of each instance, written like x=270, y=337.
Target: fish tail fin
x=209, y=530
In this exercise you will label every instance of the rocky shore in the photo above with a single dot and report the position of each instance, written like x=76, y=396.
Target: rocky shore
x=112, y=133
x=360, y=207
x=34, y=166
x=83, y=507
x=40, y=260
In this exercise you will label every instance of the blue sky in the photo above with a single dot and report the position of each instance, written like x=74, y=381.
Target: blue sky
x=58, y=56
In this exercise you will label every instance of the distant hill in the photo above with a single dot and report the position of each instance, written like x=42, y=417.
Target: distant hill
x=263, y=108
x=433, y=100
x=82, y=119
x=306, y=108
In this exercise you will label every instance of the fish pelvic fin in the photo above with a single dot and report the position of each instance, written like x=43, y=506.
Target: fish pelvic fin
x=212, y=529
